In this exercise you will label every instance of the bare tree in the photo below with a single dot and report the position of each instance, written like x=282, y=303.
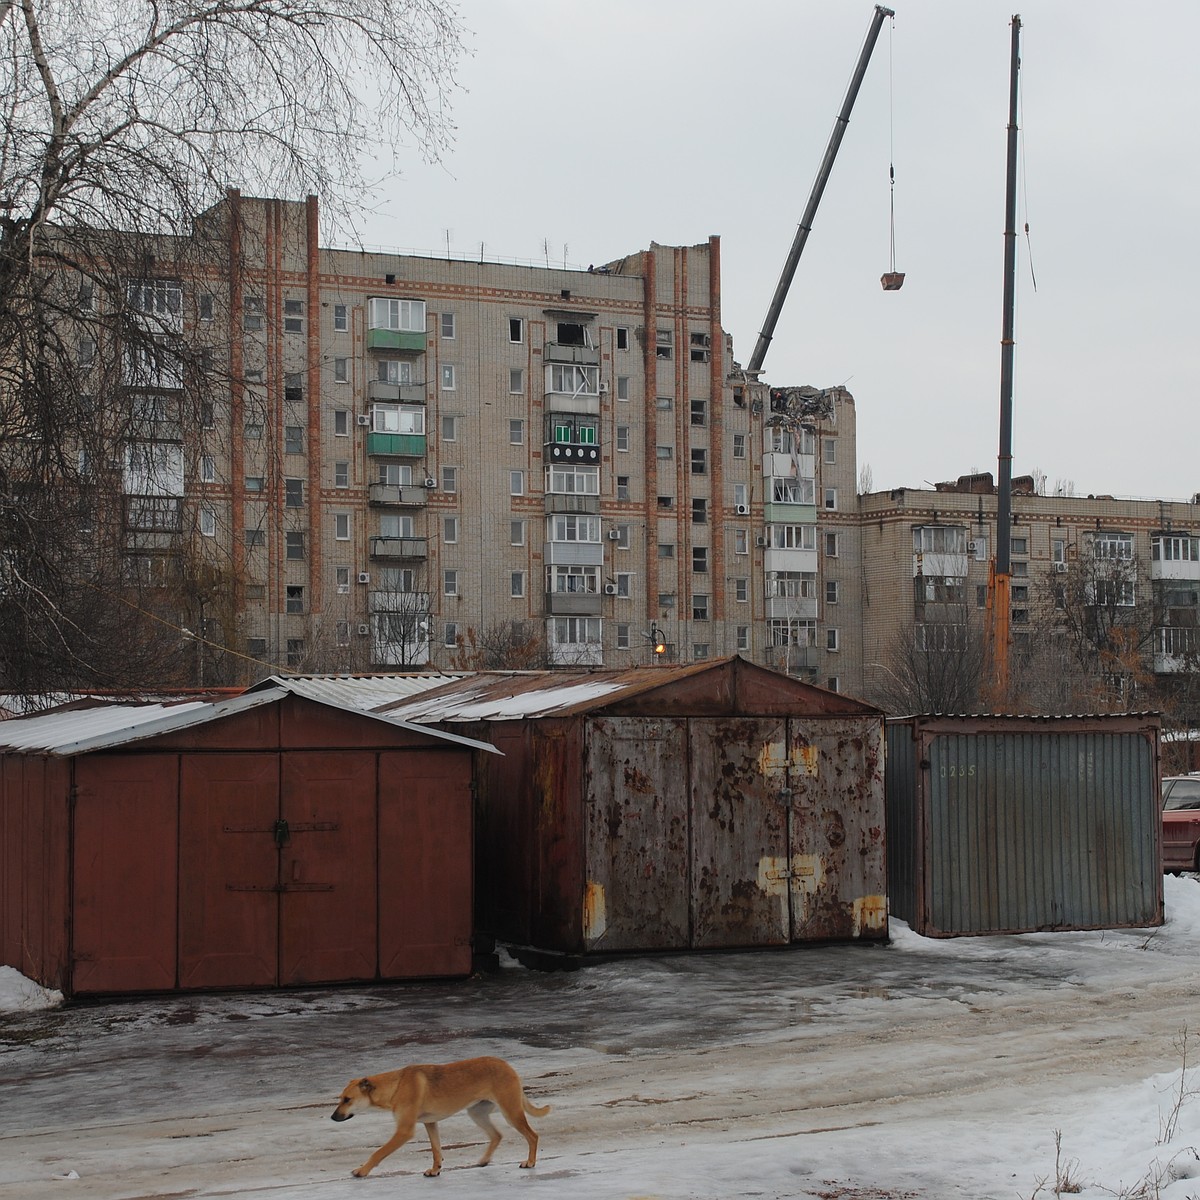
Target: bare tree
x=504, y=646
x=120, y=125
x=935, y=666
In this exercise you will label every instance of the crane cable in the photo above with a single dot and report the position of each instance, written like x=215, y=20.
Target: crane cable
x=892, y=146
x=1025, y=189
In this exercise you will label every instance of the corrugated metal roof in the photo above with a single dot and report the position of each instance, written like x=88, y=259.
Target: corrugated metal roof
x=516, y=695
x=108, y=726
x=362, y=692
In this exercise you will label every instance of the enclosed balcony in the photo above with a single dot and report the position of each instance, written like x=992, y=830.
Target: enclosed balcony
x=392, y=549
x=395, y=495
x=574, y=604
x=396, y=393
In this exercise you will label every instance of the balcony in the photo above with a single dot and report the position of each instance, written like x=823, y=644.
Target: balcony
x=574, y=604
x=779, y=559
x=394, y=548
x=794, y=608
x=573, y=452
x=395, y=495
x=404, y=445
x=585, y=356
x=557, y=502
x=396, y=393
x=404, y=340
x=404, y=603
x=783, y=513
x=1175, y=649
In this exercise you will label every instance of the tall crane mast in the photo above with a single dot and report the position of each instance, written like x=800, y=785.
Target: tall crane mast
x=818, y=188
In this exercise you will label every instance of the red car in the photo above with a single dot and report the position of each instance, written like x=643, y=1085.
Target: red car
x=1181, y=823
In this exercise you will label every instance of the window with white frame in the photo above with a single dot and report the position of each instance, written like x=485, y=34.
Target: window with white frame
x=939, y=539
x=622, y=636
x=516, y=533
x=624, y=583
x=449, y=530
x=829, y=451
x=792, y=585
x=448, y=327
x=831, y=640
x=516, y=329
x=832, y=545
x=572, y=379
x=449, y=377
x=739, y=445
x=393, y=370
x=786, y=632
x=341, y=318
x=450, y=582
x=341, y=422
x=341, y=577
x=575, y=631
x=574, y=527
x=341, y=527
x=832, y=593
x=342, y=633
x=741, y=541
x=1112, y=593
x=742, y=637
x=571, y=479
x=401, y=315
x=1174, y=547
x=517, y=584
x=516, y=431
x=792, y=537
x=622, y=335
x=831, y=498
x=341, y=370
x=516, y=381
x=293, y=316
x=450, y=635
x=208, y=469
x=394, y=474
x=792, y=491
x=449, y=479
x=623, y=537
x=623, y=438
x=741, y=589
x=700, y=606
x=516, y=483
x=397, y=418
x=208, y=521
x=576, y=580
x=622, y=387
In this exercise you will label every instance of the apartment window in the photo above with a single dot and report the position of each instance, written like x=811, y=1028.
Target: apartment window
x=833, y=684
x=204, y=305
x=1020, y=570
x=448, y=326
x=699, y=460
x=208, y=416
x=208, y=522
x=831, y=639
x=293, y=439
x=622, y=487
x=293, y=387
x=256, y=647
x=1018, y=545
x=255, y=537
x=700, y=560
x=568, y=479
x=342, y=633
x=622, y=636
x=450, y=635
x=295, y=652
x=393, y=370
x=792, y=537
x=450, y=582
x=624, y=583
x=448, y=377
x=741, y=541
x=85, y=352
x=700, y=650
x=516, y=329
x=742, y=636
x=831, y=545
x=622, y=387
x=1058, y=550
x=831, y=498
x=831, y=591
x=293, y=316
x=516, y=381
x=208, y=469
x=341, y=422
x=829, y=451
x=252, y=432
x=341, y=370
x=516, y=432
x=341, y=576
x=699, y=511
x=516, y=483
x=341, y=318
x=666, y=550
x=664, y=452
x=622, y=337
x=1020, y=595
x=623, y=438
x=450, y=530
x=449, y=479
x=295, y=545
x=449, y=429
x=402, y=315
x=699, y=412
x=341, y=474
x=341, y=527
x=664, y=403
x=572, y=527
x=664, y=340
x=293, y=493
x=623, y=537
x=699, y=607
x=666, y=599
x=252, y=313
x=939, y=539
x=516, y=584
x=739, y=445
x=516, y=533
x=293, y=599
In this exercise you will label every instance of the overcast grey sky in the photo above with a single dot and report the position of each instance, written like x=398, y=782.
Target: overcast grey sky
x=597, y=128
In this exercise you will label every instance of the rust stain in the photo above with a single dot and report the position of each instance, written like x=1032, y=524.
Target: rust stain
x=595, y=915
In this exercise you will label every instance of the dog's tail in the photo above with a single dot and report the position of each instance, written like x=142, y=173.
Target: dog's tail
x=532, y=1109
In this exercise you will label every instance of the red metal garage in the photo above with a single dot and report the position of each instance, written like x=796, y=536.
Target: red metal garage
x=267, y=840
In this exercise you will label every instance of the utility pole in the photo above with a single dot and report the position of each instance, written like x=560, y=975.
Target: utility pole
x=1000, y=591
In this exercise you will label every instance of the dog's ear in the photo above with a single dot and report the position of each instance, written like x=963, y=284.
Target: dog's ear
x=366, y=1086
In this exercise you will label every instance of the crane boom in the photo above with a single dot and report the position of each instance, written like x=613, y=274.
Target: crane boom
x=818, y=188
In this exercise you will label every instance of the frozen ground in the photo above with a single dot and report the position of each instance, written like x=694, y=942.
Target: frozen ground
x=921, y=1069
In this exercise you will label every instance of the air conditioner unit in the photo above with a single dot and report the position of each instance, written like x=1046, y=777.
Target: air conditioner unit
x=364, y=577
x=604, y=387
x=614, y=535
x=743, y=510
x=972, y=546
x=1060, y=568
x=430, y=481
x=364, y=629
x=364, y=418
x=610, y=589
x=760, y=541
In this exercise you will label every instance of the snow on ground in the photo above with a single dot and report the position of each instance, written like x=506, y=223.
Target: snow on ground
x=19, y=994
x=973, y=1067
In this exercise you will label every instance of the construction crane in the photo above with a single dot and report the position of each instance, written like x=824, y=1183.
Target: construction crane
x=814, y=199
x=1000, y=574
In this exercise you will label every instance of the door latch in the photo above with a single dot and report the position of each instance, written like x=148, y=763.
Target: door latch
x=281, y=833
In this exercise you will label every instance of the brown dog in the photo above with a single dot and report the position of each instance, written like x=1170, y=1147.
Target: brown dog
x=429, y=1094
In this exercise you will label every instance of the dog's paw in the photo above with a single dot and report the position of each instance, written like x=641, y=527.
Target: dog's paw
x=361, y=1172
x=433, y=1172
x=526, y=1165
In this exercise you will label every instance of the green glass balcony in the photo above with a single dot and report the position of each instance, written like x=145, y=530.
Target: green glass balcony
x=395, y=339
x=410, y=445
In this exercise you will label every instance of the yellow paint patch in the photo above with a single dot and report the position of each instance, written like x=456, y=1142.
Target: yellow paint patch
x=595, y=914
x=870, y=915
x=772, y=875
x=775, y=758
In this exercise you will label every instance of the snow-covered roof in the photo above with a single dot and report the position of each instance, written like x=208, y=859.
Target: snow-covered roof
x=362, y=692
x=107, y=726
x=486, y=698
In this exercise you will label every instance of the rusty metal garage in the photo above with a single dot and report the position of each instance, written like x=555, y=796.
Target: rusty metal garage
x=265, y=840
x=715, y=805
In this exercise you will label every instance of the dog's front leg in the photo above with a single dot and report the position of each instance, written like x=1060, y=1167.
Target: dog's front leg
x=403, y=1133
x=435, y=1144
